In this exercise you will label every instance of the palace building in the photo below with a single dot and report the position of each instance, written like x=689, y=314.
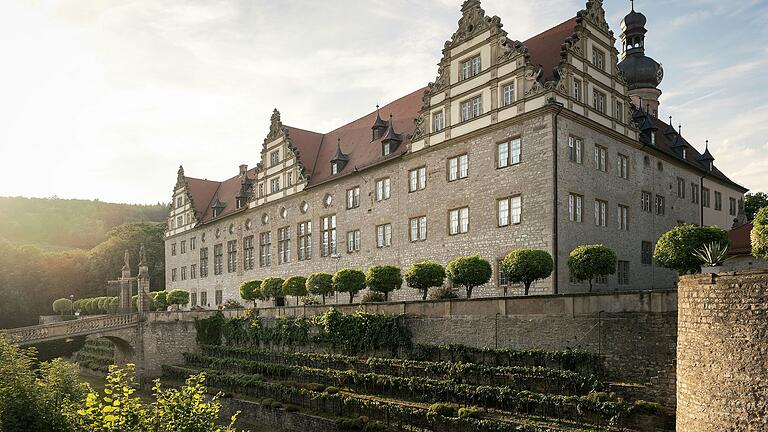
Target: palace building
x=550, y=143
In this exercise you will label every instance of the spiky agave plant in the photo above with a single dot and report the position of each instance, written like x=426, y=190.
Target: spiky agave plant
x=712, y=254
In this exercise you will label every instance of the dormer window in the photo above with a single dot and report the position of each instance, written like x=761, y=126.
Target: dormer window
x=391, y=139
x=334, y=168
x=386, y=149
x=340, y=160
x=653, y=138
x=241, y=202
x=218, y=208
x=471, y=67
x=685, y=153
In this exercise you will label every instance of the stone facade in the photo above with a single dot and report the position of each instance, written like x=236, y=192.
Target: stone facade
x=722, y=362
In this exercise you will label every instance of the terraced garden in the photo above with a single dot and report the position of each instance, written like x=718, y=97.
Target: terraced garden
x=96, y=355
x=381, y=382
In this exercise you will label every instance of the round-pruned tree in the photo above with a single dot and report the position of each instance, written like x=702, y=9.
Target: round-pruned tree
x=589, y=261
x=295, y=286
x=104, y=304
x=114, y=305
x=676, y=248
x=759, y=234
x=349, y=281
x=62, y=306
x=320, y=284
x=160, y=299
x=526, y=266
x=469, y=271
x=272, y=288
x=177, y=297
x=383, y=279
x=251, y=291
x=424, y=275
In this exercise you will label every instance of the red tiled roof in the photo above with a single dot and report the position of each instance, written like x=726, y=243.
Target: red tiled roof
x=741, y=242
x=544, y=48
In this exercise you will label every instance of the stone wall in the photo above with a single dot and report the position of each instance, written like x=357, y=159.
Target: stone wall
x=278, y=420
x=722, y=359
x=164, y=343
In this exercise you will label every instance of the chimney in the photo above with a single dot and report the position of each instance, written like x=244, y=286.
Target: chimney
x=243, y=169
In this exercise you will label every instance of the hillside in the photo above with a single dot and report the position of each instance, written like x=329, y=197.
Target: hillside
x=60, y=224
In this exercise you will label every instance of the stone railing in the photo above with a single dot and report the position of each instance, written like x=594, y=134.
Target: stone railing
x=80, y=327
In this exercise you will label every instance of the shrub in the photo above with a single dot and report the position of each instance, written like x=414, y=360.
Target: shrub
x=114, y=305
x=320, y=284
x=372, y=297
x=232, y=304
x=62, y=306
x=443, y=293
x=104, y=304
x=309, y=300
x=178, y=297
x=349, y=281
x=443, y=409
x=588, y=261
x=295, y=286
x=251, y=291
x=331, y=390
x=469, y=272
x=526, y=266
x=759, y=234
x=424, y=275
x=161, y=300
x=383, y=279
x=272, y=288
x=469, y=412
x=675, y=249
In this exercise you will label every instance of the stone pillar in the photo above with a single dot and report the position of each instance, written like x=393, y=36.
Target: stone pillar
x=722, y=352
x=143, y=283
x=125, y=286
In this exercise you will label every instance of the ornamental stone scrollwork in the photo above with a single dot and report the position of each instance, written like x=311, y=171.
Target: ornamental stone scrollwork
x=474, y=21
x=511, y=49
x=276, y=128
x=595, y=14
x=419, y=130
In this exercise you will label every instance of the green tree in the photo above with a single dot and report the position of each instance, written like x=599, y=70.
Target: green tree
x=383, y=279
x=272, y=288
x=675, y=248
x=160, y=299
x=754, y=202
x=295, y=286
x=759, y=234
x=62, y=306
x=589, y=261
x=526, y=266
x=349, y=281
x=424, y=275
x=251, y=291
x=177, y=297
x=469, y=272
x=320, y=284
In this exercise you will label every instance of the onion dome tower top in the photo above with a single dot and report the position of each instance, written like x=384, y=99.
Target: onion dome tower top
x=641, y=73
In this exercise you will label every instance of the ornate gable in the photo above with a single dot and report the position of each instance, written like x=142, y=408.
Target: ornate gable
x=595, y=14
x=277, y=130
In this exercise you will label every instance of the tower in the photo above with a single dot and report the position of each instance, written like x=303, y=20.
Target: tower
x=641, y=73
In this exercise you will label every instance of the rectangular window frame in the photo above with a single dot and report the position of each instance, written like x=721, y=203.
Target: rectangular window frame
x=417, y=231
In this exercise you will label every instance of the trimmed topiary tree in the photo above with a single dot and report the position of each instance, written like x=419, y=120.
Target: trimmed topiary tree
x=62, y=306
x=470, y=272
x=349, y=281
x=177, y=297
x=676, y=248
x=759, y=234
x=320, y=284
x=589, y=261
x=383, y=279
x=526, y=266
x=272, y=288
x=160, y=300
x=251, y=291
x=424, y=275
x=295, y=286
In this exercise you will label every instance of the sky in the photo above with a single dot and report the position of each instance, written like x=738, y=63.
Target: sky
x=104, y=99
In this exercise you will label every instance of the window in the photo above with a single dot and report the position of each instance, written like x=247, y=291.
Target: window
x=620, y=112
x=283, y=245
x=274, y=185
x=659, y=205
x=601, y=279
x=231, y=256
x=193, y=271
x=173, y=275
x=622, y=213
x=304, y=236
x=218, y=259
x=508, y=153
x=646, y=253
x=261, y=190
x=193, y=299
x=438, y=121
x=218, y=297
x=288, y=180
x=575, y=205
x=386, y=149
x=328, y=235
x=622, y=166
x=418, y=228
x=694, y=193
x=645, y=201
x=472, y=108
x=382, y=189
x=353, y=241
x=680, y=187
x=183, y=246
x=384, y=235
x=598, y=58
x=334, y=168
x=470, y=67
x=265, y=246
x=508, y=94
x=180, y=221
x=458, y=221
x=274, y=158
x=622, y=270
x=248, y=260
x=705, y=197
x=458, y=167
x=718, y=201
x=179, y=202
x=204, y=262
x=203, y=298
x=193, y=243
x=601, y=213
x=732, y=208
x=598, y=101
x=575, y=149
x=509, y=210
x=502, y=278
x=184, y=273
x=173, y=249
x=353, y=197
x=600, y=158
x=417, y=179
x=577, y=89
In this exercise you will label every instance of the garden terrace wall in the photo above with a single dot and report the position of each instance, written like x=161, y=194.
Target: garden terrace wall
x=276, y=419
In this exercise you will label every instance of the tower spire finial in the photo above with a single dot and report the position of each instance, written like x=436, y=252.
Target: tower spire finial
x=680, y=129
x=633, y=5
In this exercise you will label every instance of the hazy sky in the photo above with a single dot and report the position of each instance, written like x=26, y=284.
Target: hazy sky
x=105, y=98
